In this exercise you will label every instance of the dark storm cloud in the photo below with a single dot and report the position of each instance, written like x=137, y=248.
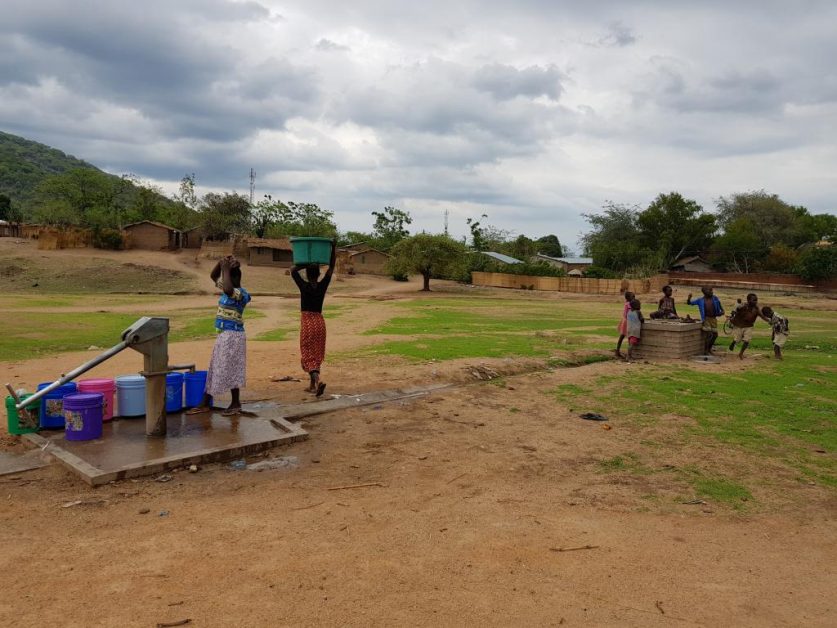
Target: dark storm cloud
x=154, y=57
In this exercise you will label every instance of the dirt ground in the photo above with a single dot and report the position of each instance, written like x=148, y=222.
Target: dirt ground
x=489, y=510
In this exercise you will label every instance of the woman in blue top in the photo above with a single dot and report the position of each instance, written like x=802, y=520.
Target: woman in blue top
x=227, y=367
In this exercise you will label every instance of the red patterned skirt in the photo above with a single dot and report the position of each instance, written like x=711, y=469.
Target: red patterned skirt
x=312, y=341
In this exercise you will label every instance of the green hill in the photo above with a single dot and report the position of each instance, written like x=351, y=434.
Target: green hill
x=49, y=186
x=24, y=164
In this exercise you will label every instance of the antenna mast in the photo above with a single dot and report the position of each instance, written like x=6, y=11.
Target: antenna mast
x=252, y=184
x=447, y=213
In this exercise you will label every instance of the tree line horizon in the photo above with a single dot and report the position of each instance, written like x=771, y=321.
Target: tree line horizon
x=751, y=231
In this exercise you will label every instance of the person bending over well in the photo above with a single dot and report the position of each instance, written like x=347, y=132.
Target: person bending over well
x=312, y=329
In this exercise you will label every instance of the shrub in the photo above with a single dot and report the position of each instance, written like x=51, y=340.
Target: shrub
x=109, y=239
x=818, y=263
x=600, y=272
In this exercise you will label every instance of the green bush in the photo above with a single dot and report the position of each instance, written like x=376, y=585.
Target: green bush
x=600, y=272
x=818, y=263
x=109, y=239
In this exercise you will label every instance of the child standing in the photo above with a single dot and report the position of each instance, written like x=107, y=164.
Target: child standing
x=781, y=329
x=710, y=309
x=743, y=318
x=634, y=327
x=228, y=365
x=623, y=324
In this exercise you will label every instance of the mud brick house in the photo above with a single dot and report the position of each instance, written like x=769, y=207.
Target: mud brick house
x=270, y=252
x=152, y=236
x=363, y=261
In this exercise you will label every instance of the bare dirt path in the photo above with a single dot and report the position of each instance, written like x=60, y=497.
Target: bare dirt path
x=492, y=509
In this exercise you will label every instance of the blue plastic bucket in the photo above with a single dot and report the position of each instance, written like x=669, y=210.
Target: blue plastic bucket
x=83, y=416
x=52, y=405
x=130, y=395
x=174, y=392
x=195, y=386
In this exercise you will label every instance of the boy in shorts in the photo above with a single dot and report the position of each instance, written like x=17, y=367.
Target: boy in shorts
x=743, y=318
x=710, y=309
x=781, y=330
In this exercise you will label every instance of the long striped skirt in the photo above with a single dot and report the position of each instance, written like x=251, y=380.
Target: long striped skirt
x=312, y=341
x=228, y=365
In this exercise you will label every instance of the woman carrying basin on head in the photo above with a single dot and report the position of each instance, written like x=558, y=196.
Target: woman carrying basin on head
x=312, y=329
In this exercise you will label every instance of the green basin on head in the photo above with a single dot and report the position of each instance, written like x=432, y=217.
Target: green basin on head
x=311, y=250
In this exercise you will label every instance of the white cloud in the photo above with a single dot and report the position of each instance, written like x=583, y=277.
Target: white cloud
x=531, y=112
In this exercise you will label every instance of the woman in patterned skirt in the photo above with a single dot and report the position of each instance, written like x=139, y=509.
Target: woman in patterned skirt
x=227, y=367
x=312, y=329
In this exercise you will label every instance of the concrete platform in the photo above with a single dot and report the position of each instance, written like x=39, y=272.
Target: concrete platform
x=124, y=451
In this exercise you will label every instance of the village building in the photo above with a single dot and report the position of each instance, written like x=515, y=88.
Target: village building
x=193, y=238
x=270, y=252
x=503, y=259
x=361, y=261
x=691, y=264
x=151, y=236
x=567, y=264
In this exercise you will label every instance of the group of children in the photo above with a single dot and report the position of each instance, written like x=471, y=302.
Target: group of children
x=742, y=320
x=228, y=364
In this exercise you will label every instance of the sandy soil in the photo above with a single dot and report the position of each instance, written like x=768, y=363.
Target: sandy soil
x=481, y=487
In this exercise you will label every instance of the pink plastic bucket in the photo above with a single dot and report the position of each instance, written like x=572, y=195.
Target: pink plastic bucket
x=104, y=386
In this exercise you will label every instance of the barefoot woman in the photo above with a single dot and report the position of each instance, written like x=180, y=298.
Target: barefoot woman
x=312, y=329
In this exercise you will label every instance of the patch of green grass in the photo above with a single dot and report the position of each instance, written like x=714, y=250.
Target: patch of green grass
x=36, y=334
x=721, y=490
x=629, y=463
x=784, y=410
x=455, y=347
x=275, y=335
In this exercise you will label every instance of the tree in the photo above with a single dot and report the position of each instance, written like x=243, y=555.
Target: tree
x=81, y=196
x=266, y=213
x=222, y=215
x=672, y=226
x=739, y=248
x=9, y=212
x=614, y=242
x=477, y=233
x=186, y=193
x=549, y=245
x=430, y=255
x=781, y=259
x=521, y=248
x=389, y=227
x=771, y=219
x=303, y=219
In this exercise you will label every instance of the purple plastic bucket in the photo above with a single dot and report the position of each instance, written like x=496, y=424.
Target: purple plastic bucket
x=83, y=416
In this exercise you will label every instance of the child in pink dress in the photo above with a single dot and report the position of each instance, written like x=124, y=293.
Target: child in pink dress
x=623, y=324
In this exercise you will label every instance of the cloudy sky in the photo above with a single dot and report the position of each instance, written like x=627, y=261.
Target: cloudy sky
x=532, y=112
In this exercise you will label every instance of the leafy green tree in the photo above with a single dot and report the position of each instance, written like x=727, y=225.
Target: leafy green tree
x=390, y=226
x=353, y=237
x=771, y=219
x=521, y=248
x=265, y=214
x=818, y=263
x=739, y=248
x=549, y=245
x=615, y=240
x=5, y=208
x=436, y=256
x=781, y=259
x=81, y=196
x=477, y=233
x=222, y=215
x=303, y=219
x=186, y=192
x=672, y=226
